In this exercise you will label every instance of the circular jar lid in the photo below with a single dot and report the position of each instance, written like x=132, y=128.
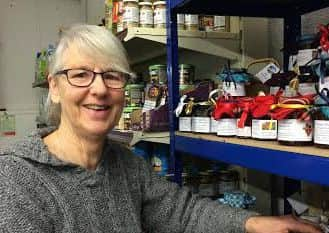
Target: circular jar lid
x=186, y=66
x=145, y=3
x=159, y=3
x=157, y=67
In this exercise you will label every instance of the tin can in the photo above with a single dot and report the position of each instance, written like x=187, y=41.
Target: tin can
x=134, y=95
x=186, y=74
x=158, y=74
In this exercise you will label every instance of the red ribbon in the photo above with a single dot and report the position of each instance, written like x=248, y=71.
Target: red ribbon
x=261, y=106
x=324, y=35
x=284, y=112
x=224, y=107
x=244, y=104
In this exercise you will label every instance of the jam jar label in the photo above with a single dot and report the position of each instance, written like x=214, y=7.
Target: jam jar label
x=131, y=14
x=243, y=132
x=201, y=124
x=295, y=130
x=185, y=124
x=213, y=125
x=227, y=127
x=264, y=129
x=321, y=132
x=234, y=90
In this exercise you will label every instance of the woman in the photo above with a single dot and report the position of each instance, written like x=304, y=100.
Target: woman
x=72, y=179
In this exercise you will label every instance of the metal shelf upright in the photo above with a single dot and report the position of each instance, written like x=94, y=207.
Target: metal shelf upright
x=297, y=165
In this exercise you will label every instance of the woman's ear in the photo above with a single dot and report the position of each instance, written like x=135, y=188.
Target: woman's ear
x=53, y=89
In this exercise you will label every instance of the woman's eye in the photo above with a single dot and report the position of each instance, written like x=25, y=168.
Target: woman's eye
x=81, y=75
x=113, y=76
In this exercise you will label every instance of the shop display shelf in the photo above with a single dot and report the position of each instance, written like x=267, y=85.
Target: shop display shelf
x=130, y=137
x=307, y=163
x=221, y=43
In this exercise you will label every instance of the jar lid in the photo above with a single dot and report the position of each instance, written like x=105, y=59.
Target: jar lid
x=130, y=109
x=129, y=86
x=145, y=3
x=186, y=66
x=159, y=3
x=130, y=1
x=157, y=66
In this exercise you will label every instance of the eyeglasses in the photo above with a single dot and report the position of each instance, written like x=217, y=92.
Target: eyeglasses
x=84, y=78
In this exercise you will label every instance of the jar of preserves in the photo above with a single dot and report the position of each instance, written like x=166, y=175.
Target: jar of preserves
x=158, y=74
x=180, y=21
x=321, y=120
x=192, y=22
x=160, y=14
x=221, y=23
x=134, y=95
x=127, y=117
x=131, y=13
x=145, y=14
x=244, y=117
x=201, y=117
x=186, y=74
x=206, y=23
x=294, y=126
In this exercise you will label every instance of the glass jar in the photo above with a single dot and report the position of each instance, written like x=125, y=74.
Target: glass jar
x=305, y=85
x=264, y=128
x=158, y=74
x=206, y=23
x=225, y=114
x=192, y=22
x=201, y=118
x=186, y=74
x=221, y=23
x=160, y=14
x=295, y=132
x=321, y=124
x=127, y=117
x=131, y=13
x=180, y=21
x=145, y=14
x=134, y=95
x=244, y=117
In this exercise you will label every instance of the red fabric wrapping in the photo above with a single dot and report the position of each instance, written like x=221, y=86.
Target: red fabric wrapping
x=224, y=107
x=262, y=105
x=244, y=104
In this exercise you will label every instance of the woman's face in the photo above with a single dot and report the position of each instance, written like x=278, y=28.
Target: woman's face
x=89, y=111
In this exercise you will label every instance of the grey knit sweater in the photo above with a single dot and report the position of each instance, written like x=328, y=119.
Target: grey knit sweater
x=39, y=193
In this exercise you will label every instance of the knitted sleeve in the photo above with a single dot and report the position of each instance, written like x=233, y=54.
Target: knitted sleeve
x=169, y=208
x=18, y=211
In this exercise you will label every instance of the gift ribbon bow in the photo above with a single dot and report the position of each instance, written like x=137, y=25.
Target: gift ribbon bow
x=244, y=104
x=286, y=106
x=262, y=105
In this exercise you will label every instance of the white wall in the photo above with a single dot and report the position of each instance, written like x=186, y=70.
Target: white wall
x=27, y=26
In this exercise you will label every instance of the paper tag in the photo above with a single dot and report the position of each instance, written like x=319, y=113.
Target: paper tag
x=227, y=127
x=185, y=124
x=234, y=90
x=295, y=130
x=201, y=124
x=266, y=73
x=264, y=129
x=321, y=132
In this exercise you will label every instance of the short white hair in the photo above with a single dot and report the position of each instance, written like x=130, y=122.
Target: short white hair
x=93, y=41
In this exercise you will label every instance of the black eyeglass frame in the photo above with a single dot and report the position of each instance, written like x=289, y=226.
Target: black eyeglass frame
x=65, y=72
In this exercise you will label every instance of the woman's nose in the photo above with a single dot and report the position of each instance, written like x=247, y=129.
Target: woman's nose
x=98, y=86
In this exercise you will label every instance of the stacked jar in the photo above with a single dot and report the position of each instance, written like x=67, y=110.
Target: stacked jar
x=131, y=13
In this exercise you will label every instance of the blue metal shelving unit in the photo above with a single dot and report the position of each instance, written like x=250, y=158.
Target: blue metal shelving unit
x=289, y=164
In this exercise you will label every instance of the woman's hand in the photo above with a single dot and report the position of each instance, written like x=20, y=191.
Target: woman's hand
x=281, y=224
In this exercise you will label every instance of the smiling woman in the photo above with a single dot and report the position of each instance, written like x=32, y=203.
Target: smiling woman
x=71, y=178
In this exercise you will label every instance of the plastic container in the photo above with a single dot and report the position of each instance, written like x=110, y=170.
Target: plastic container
x=145, y=14
x=186, y=74
x=158, y=74
x=160, y=14
x=131, y=13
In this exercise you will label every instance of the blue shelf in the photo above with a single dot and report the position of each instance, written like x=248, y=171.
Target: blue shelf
x=256, y=8
x=301, y=163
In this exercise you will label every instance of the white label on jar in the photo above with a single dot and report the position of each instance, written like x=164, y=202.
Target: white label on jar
x=160, y=16
x=234, y=90
x=266, y=73
x=131, y=14
x=325, y=83
x=295, y=130
x=321, y=132
x=192, y=20
x=304, y=56
x=185, y=124
x=264, y=129
x=146, y=17
x=274, y=90
x=303, y=89
x=201, y=124
x=244, y=132
x=213, y=126
x=180, y=19
x=219, y=22
x=226, y=127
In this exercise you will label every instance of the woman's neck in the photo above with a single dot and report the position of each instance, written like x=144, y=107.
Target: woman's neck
x=69, y=147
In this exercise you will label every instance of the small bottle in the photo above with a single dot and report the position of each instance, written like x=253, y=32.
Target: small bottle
x=321, y=123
